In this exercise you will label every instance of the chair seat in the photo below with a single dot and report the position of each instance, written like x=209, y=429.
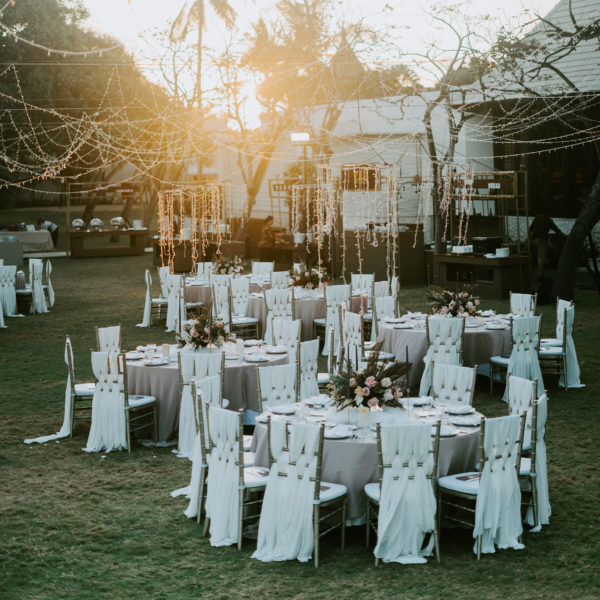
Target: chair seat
x=525, y=467
x=319, y=321
x=24, y=291
x=253, y=478
x=137, y=401
x=160, y=301
x=323, y=378
x=247, y=443
x=550, y=351
x=244, y=320
x=372, y=491
x=550, y=342
x=500, y=360
x=84, y=389
x=465, y=483
x=331, y=491
x=368, y=316
x=249, y=459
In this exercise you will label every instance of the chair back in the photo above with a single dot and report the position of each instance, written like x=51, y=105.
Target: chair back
x=453, y=384
x=221, y=278
x=163, y=278
x=334, y=295
x=352, y=337
x=262, y=267
x=221, y=308
x=362, y=282
x=280, y=280
x=381, y=288
x=524, y=360
x=197, y=365
x=561, y=305
x=38, y=298
x=240, y=294
x=287, y=333
x=70, y=364
x=174, y=301
x=50, y=289
x=383, y=306
x=279, y=304
x=8, y=294
x=204, y=269
x=445, y=338
x=276, y=385
x=308, y=368
x=523, y=305
x=109, y=338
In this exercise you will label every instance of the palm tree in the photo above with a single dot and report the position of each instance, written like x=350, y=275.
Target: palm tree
x=193, y=15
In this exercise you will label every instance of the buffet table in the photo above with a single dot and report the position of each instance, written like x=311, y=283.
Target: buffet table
x=35, y=241
x=88, y=244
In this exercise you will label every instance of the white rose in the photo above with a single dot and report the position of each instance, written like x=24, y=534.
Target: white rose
x=386, y=382
x=389, y=395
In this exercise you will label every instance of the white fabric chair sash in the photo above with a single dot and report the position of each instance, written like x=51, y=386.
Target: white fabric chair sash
x=523, y=361
x=220, y=294
x=285, y=530
x=334, y=296
x=280, y=280
x=394, y=286
x=362, y=282
x=262, y=268
x=163, y=278
x=573, y=372
x=407, y=504
x=2, y=325
x=541, y=475
x=521, y=394
x=498, y=507
x=453, y=384
x=222, y=493
x=194, y=365
x=308, y=359
x=385, y=306
x=148, y=302
x=352, y=337
x=109, y=339
x=8, y=295
x=445, y=346
x=277, y=385
x=240, y=293
x=108, y=429
x=174, y=301
x=221, y=278
x=521, y=305
x=204, y=268
x=278, y=304
x=287, y=333
x=49, y=288
x=381, y=288
x=38, y=298
x=65, y=429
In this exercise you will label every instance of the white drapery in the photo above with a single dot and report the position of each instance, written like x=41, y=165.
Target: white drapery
x=49, y=287
x=174, y=301
x=148, y=302
x=445, y=346
x=65, y=430
x=109, y=339
x=309, y=356
x=108, y=429
x=278, y=304
x=220, y=296
x=573, y=372
x=385, y=306
x=2, y=325
x=163, y=278
x=262, y=267
x=334, y=296
x=523, y=361
x=452, y=384
x=522, y=305
x=407, y=504
x=240, y=293
x=521, y=393
x=285, y=529
x=222, y=506
x=38, y=298
x=280, y=280
x=286, y=333
x=352, y=337
x=277, y=385
x=498, y=507
x=8, y=295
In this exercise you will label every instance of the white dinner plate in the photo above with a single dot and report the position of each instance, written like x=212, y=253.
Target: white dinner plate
x=250, y=343
x=471, y=323
x=231, y=356
x=276, y=349
x=134, y=355
x=460, y=410
x=255, y=358
x=495, y=326
x=156, y=362
x=446, y=431
x=468, y=421
x=284, y=409
x=421, y=401
x=338, y=433
x=393, y=319
x=404, y=326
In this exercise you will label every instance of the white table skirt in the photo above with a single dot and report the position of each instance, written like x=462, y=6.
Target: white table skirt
x=35, y=241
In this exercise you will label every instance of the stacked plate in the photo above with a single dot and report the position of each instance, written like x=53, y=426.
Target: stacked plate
x=460, y=409
x=255, y=358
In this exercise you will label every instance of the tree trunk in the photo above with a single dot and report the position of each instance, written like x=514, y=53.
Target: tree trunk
x=564, y=280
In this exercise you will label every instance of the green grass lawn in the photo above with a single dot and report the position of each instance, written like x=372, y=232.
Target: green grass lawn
x=75, y=525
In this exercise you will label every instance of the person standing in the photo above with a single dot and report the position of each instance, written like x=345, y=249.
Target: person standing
x=539, y=233
x=51, y=227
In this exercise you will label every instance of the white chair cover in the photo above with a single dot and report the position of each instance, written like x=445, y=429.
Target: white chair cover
x=385, y=306
x=287, y=333
x=498, y=507
x=108, y=429
x=204, y=268
x=163, y=278
x=222, y=507
x=522, y=305
x=8, y=295
x=407, y=506
x=49, y=288
x=573, y=372
x=240, y=293
x=174, y=301
x=109, y=339
x=352, y=337
x=285, y=530
x=381, y=288
x=278, y=304
x=362, y=282
x=2, y=325
x=277, y=385
x=453, y=384
x=220, y=296
x=221, y=278
x=445, y=346
x=334, y=296
x=280, y=280
x=148, y=302
x=523, y=361
x=38, y=298
x=262, y=268
x=309, y=368
x=65, y=430
x=541, y=474
x=521, y=394
x=394, y=286
x=194, y=365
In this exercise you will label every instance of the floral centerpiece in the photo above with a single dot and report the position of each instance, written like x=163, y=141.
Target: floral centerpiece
x=227, y=265
x=453, y=303
x=308, y=278
x=200, y=332
x=376, y=385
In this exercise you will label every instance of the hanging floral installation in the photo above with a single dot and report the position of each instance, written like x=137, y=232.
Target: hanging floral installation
x=194, y=215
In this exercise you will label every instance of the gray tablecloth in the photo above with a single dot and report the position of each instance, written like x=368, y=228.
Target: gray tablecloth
x=163, y=382
x=480, y=345
x=353, y=463
x=201, y=293
x=34, y=241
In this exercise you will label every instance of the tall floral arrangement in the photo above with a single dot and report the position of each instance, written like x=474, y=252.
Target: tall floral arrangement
x=201, y=331
x=453, y=303
x=308, y=278
x=376, y=385
x=227, y=265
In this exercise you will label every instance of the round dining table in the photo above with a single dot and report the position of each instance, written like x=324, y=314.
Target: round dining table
x=162, y=382
x=353, y=462
x=197, y=289
x=480, y=344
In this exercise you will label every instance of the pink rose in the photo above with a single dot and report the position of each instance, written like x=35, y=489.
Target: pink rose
x=371, y=381
x=372, y=402
x=195, y=334
x=477, y=302
x=445, y=310
x=366, y=391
